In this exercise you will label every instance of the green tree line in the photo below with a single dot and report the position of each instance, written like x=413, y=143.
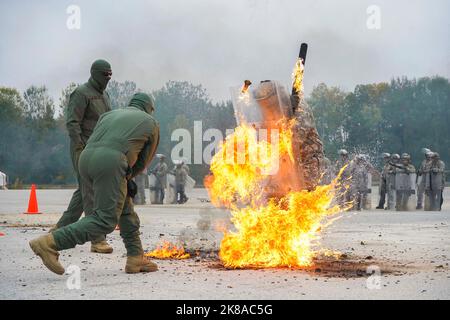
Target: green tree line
x=404, y=115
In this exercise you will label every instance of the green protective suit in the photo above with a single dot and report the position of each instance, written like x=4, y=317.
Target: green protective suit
x=86, y=104
x=121, y=146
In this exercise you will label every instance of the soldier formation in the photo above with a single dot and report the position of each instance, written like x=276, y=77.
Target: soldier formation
x=431, y=181
x=166, y=186
x=399, y=182
x=169, y=186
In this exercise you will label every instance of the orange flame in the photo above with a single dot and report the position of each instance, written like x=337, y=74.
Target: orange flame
x=167, y=250
x=270, y=231
x=297, y=76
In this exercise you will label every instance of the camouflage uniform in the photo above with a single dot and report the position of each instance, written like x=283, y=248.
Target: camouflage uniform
x=180, y=172
x=403, y=184
x=141, y=182
x=390, y=181
x=343, y=184
x=420, y=178
x=160, y=172
x=435, y=183
x=383, y=181
x=361, y=182
x=307, y=142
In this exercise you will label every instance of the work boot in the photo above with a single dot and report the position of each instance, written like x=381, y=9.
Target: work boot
x=418, y=207
x=379, y=207
x=101, y=247
x=45, y=247
x=136, y=264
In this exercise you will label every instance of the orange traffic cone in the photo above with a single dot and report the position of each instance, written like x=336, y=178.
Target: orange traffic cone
x=32, y=203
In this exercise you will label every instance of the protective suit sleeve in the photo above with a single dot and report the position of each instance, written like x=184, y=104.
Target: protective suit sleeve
x=75, y=114
x=147, y=153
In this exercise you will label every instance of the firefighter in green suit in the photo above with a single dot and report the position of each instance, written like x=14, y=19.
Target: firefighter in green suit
x=121, y=146
x=86, y=104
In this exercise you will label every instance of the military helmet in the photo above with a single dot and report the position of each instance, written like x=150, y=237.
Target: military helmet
x=396, y=156
x=435, y=155
x=364, y=157
x=342, y=152
x=406, y=156
x=425, y=150
x=386, y=155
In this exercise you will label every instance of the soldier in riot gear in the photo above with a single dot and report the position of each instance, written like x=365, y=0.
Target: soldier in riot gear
x=361, y=181
x=383, y=180
x=390, y=181
x=159, y=173
x=181, y=174
x=327, y=171
x=404, y=182
x=342, y=194
x=141, y=181
x=420, y=177
x=435, y=182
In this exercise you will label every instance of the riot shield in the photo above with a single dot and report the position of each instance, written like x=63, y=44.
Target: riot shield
x=190, y=183
x=391, y=194
x=171, y=191
x=405, y=191
x=152, y=182
x=367, y=194
x=261, y=105
x=434, y=182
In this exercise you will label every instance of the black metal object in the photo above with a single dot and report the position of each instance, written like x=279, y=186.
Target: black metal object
x=303, y=50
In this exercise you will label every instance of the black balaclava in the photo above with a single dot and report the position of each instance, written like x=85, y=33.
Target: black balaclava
x=101, y=74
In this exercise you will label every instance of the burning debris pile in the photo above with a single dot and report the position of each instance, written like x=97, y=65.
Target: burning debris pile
x=167, y=250
x=202, y=241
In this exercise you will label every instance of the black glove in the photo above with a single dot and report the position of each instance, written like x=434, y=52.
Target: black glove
x=131, y=188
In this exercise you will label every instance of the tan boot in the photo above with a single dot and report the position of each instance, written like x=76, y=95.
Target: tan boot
x=101, y=247
x=45, y=248
x=138, y=264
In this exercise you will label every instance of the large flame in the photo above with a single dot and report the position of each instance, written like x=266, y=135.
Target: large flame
x=167, y=250
x=281, y=231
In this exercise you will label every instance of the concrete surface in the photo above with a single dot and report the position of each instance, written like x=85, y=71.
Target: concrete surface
x=411, y=250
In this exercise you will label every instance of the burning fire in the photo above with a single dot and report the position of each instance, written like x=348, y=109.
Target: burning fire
x=297, y=76
x=270, y=231
x=167, y=250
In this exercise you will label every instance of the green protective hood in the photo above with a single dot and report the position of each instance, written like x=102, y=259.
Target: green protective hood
x=143, y=102
x=98, y=78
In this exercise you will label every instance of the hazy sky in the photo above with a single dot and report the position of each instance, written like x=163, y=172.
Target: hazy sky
x=219, y=43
